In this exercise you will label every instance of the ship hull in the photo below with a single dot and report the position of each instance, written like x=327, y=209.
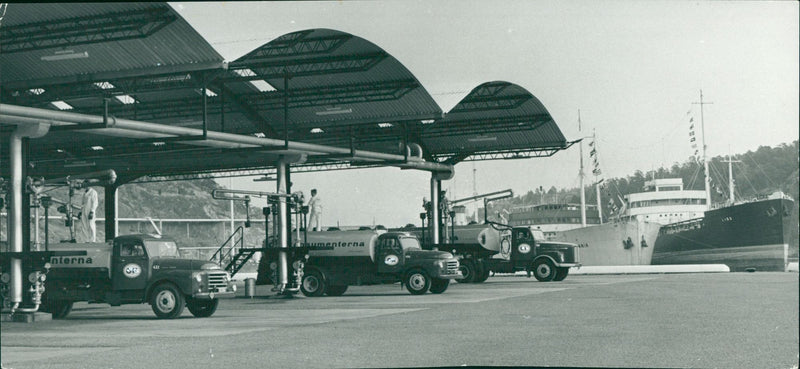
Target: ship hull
x=627, y=242
x=759, y=235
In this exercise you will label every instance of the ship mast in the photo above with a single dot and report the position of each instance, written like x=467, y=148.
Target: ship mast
x=730, y=177
x=705, y=156
x=597, y=183
x=582, y=175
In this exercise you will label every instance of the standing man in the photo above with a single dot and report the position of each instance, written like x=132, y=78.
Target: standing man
x=315, y=210
x=87, y=232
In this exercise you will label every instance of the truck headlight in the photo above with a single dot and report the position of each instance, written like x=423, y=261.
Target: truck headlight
x=198, y=278
x=273, y=266
x=297, y=265
x=524, y=248
x=33, y=277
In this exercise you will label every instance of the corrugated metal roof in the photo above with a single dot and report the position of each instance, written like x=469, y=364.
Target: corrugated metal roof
x=176, y=44
x=494, y=117
x=343, y=91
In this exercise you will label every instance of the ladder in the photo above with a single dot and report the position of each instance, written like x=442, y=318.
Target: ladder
x=227, y=256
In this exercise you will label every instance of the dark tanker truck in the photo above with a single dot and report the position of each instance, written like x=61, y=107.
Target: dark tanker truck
x=483, y=249
x=338, y=259
x=134, y=269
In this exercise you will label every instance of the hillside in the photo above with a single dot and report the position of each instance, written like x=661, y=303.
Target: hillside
x=757, y=173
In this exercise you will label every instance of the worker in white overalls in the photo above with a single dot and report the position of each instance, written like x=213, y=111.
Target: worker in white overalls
x=87, y=230
x=315, y=210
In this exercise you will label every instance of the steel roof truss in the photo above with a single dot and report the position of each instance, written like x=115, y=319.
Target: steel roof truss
x=306, y=67
x=485, y=103
x=332, y=95
x=301, y=45
x=85, y=30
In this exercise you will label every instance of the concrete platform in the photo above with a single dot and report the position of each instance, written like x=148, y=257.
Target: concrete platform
x=726, y=320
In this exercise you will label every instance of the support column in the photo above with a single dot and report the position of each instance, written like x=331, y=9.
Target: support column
x=16, y=204
x=111, y=212
x=283, y=265
x=434, y=221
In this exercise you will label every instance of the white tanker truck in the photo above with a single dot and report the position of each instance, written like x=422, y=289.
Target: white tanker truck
x=486, y=248
x=338, y=259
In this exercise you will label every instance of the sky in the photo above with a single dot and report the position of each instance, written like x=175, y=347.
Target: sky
x=632, y=69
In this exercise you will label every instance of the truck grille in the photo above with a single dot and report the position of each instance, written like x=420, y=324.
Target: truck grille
x=571, y=255
x=452, y=267
x=217, y=280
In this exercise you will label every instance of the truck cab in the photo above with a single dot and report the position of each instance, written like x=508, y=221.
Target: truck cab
x=547, y=260
x=135, y=269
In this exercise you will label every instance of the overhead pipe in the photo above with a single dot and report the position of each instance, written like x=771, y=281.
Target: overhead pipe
x=14, y=114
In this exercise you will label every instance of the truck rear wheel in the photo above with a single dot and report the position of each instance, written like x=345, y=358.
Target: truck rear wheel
x=467, y=268
x=439, y=285
x=335, y=290
x=544, y=270
x=313, y=285
x=483, y=274
x=418, y=282
x=202, y=308
x=561, y=273
x=59, y=309
x=167, y=301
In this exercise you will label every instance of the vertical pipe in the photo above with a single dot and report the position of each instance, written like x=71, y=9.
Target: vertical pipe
x=434, y=221
x=283, y=265
x=15, y=216
x=112, y=221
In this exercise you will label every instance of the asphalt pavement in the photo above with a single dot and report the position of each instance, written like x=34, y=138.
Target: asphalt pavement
x=719, y=320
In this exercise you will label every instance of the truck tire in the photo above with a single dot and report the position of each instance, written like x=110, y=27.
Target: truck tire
x=439, y=285
x=335, y=290
x=544, y=270
x=561, y=273
x=483, y=275
x=202, y=308
x=418, y=282
x=59, y=309
x=167, y=301
x=313, y=284
x=468, y=270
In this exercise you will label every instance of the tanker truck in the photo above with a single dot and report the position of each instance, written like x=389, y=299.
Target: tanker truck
x=338, y=259
x=134, y=269
x=495, y=248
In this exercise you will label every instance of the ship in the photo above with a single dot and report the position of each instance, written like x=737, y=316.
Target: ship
x=757, y=234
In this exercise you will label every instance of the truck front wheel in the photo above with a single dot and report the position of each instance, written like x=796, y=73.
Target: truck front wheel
x=544, y=270
x=313, y=285
x=439, y=285
x=468, y=270
x=418, y=282
x=561, y=273
x=167, y=302
x=202, y=308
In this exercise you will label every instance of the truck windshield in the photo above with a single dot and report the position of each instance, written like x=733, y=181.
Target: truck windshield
x=409, y=243
x=162, y=249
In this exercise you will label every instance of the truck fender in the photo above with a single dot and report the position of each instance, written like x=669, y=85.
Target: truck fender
x=325, y=275
x=186, y=290
x=546, y=257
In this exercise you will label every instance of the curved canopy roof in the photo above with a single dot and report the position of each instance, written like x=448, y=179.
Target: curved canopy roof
x=495, y=120
x=148, y=64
